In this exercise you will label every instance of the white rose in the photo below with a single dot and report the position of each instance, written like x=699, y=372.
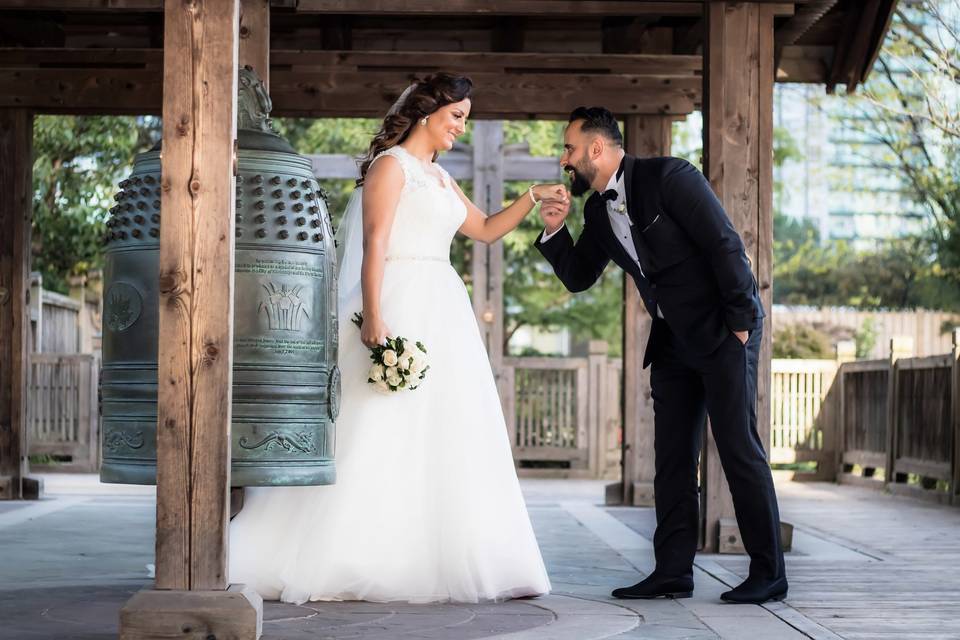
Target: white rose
x=416, y=366
x=390, y=358
x=391, y=372
x=381, y=386
x=420, y=362
x=394, y=379
x=376, y=372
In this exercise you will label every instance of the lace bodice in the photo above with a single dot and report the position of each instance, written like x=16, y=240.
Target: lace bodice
x=428, y=213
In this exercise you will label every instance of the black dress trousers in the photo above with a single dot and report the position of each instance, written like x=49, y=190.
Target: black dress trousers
x=686, y=389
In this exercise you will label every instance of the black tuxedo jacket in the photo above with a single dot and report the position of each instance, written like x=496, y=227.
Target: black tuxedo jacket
x=694, y=264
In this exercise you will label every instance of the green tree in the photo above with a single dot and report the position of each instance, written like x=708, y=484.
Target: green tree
x=533, y=296
x=900, y=274
x=78, y=161
x=909, y=106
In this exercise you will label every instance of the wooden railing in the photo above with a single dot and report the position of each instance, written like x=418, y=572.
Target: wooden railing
x=889, y=424
x=863, y=414
x=563, y=414
x=900, y=423
x=923, y=433
x=62, y=411
x=802, y=425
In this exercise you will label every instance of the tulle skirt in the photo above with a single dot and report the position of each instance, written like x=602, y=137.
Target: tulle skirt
x=427, y=506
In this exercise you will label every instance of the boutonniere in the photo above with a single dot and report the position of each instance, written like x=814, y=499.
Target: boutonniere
x=621, y=208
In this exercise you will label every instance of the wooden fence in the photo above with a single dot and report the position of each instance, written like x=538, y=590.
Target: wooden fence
x=563, y=414
x=62, y=411
x=890, y=424
x=930, y=330
x=802, y=424
x=863, y=414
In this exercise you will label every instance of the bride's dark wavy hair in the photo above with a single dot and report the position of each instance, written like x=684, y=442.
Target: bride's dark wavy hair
x=429, y=94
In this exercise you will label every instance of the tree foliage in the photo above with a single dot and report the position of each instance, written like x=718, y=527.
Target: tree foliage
x=899, y=275
x=910, y=106
x=78, y=161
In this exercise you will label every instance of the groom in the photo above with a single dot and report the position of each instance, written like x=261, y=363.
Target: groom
x=658, y=219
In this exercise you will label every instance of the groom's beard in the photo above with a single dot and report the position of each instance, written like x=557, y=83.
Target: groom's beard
x=579, y=183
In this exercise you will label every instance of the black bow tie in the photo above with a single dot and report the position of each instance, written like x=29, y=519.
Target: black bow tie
x=611, y=194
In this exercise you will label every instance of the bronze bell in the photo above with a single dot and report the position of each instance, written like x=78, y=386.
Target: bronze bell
x=286, y=385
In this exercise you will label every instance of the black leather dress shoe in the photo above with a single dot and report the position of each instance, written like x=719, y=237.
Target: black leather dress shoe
x=653, y=586
x=757, y=591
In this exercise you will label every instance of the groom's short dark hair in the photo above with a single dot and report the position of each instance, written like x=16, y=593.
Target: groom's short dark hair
x=599, y=120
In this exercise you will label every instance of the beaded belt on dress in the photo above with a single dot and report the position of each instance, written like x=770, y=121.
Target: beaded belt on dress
x=421, y=258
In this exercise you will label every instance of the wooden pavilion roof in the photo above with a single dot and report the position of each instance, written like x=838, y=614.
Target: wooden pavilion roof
x=528, y=58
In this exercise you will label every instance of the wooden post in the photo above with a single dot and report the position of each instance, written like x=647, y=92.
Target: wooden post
x=488, y=258
x=255, y=37
x=645, y=136
x=16, y=191
x=955, y=405
x=738, y=158
x=846, y=351
x=196, y=335
x=597, y=416
x=900, y=347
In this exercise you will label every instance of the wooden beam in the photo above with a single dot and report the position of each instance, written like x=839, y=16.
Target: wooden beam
x=83, y=5
x=805, y=17
x=356, y=94
x=738, y=156
x=553, y=8
x=841, y=51
x=196, y=293
x=497, y=62
x=371, y=93
x=255, y=37
x=859, y=52
x=658, y=65
x=645, y=136
x=16, y=194
x=887, y=9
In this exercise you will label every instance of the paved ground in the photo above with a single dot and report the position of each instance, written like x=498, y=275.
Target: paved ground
x=69, y=562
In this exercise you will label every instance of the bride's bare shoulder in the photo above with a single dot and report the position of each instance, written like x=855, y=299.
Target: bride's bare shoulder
x=386, y=171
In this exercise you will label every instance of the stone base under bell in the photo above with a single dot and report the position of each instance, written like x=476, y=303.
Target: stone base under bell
x=193, y=615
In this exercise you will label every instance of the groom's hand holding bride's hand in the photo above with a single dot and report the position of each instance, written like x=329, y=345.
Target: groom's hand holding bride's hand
x=550, y=192
x=554, y=211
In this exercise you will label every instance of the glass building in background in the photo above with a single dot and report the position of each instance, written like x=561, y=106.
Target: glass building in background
x=843, y=182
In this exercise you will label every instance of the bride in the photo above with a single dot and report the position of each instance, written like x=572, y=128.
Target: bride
x=427, y=506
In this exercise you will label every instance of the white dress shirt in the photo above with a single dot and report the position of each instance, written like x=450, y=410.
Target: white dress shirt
x=620, y=222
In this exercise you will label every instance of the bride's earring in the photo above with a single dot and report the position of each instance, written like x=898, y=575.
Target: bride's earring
x=424, y=122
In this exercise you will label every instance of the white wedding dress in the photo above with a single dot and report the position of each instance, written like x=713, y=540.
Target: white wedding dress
x=427, y=506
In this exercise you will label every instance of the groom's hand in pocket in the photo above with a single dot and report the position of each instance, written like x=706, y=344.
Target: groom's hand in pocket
x=553, y=213
x=742, y=336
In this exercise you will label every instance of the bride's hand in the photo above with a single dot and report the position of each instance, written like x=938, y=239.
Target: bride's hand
x=373, y=332
x=550, y=193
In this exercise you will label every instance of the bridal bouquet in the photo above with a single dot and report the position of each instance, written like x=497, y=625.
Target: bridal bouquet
x=399, y=364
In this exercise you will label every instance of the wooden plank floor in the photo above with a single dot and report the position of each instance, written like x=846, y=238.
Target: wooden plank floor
x=868, y=564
